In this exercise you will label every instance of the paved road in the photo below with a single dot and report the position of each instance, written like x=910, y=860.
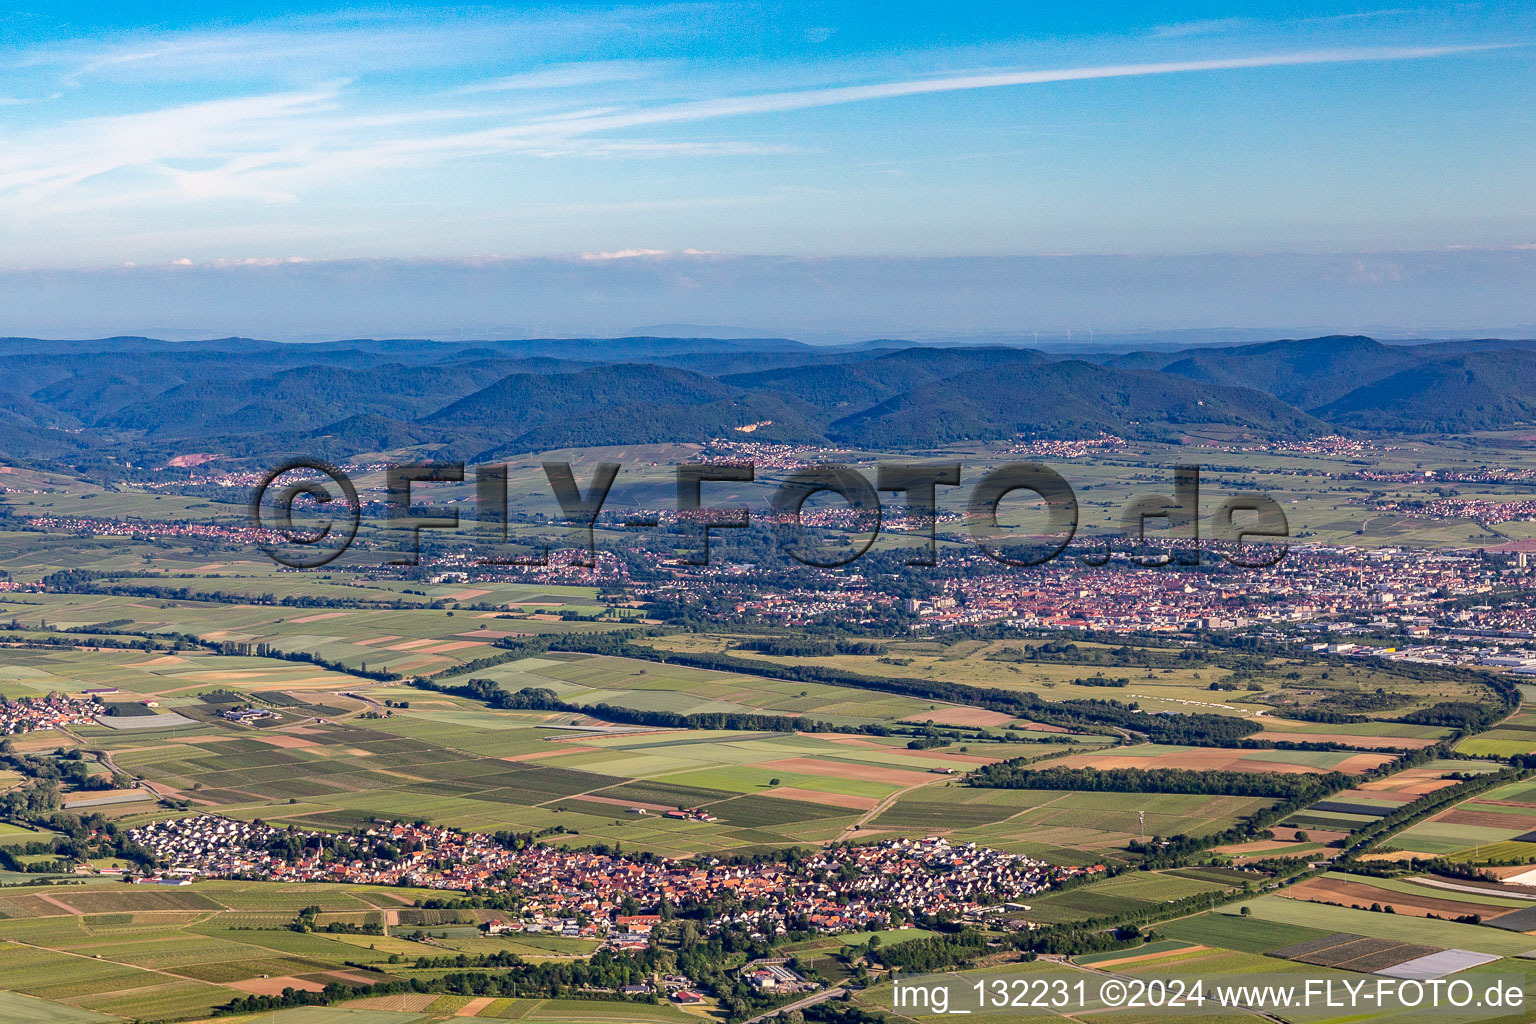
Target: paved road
x=800, y=1004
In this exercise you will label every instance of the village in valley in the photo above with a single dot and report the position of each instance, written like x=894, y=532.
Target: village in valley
x=582, y=893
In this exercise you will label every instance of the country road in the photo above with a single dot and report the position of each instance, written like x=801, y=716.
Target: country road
x=800, y=1004
x=885, y=805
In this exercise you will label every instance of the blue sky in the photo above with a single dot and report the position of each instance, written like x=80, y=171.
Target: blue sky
x=155, y=136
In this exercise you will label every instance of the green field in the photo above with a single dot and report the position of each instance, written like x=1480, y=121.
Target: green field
x=1177, y=687
x=135, y=952
x=651, y=686
x=173, y=679
x=16, y=1008
x=1328, y=919
x=1060, y=826
x=1515, y=735
x=464, y=765
x=320, y=762
x=1155, y=886
x=1480, y=828
x=408, y=640
x=1229, y=929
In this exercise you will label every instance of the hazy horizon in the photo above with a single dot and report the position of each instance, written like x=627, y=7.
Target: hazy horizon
x=1401, y=295
x=299, y=170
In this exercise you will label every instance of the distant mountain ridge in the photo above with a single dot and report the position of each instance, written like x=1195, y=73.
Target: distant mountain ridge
x=1064, y=399
x=861, y=383
x=614, y=404
x=1482, y=390
x=1305, y=374
x=1358, y=382
x=145, y=399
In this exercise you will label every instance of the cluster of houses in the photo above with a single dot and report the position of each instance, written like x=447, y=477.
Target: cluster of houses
x=625, y=932
x=1485, y=513
x=1312, y=583
x=144, y=528
x=581, y=892
x=250, y=716
x=28, y=714
x=1046, y=448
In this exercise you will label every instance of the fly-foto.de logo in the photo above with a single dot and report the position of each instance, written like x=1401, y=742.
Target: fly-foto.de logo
x=1154, y=529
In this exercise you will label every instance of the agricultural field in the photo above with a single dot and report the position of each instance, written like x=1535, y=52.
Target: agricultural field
x=1203, y=948
x=411, y=1009
x=172, y=680
x=1060, y=826
x=402, y=640
x=1227, y=928
x=1331, y=920
x=169, y=566
x=652, y=686
x=1179, y=686
x=335, y=756
x=1364, y=735
x=110, y=949
x=1134, y=891
x=1509, y=907
x=1499, y=823
x=986, y=664
x=457, y=763
x=1514, y=735
x=11, y=834
x=1151, y=756
x=16, y=1008
x=1278, y=936
x=1349, y=809
x=316, y=762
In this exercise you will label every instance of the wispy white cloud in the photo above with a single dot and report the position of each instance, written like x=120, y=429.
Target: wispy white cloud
x=274, y=146
x=155, y=140
x=352, y=43
x=567, y=76
x=808, y=98
x=1231, y=26
x=1208, y=27
x=406, y=134
x=1386, y=12
x=623, y=254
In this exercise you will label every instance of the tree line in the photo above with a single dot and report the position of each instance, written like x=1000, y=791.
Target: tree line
x=1013, y=774
x=1089, y=715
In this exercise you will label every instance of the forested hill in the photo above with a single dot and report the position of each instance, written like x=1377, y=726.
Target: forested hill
x=147, y=401
x=1477, y=391
x=1064, y=399
x=1360, y=383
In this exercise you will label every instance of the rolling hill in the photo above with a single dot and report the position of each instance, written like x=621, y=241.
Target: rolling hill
x=1483, y=390
x=143, y=400
x=616, y=404
x=1068, y=398
x=851, y=386
x=1306, y=374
